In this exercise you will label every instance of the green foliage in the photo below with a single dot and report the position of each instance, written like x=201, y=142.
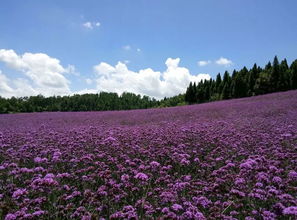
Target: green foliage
x=293, y=76
x=103, y=101
x=273, y=78
x=173, y=101
x=86, y=102
x=262, y=85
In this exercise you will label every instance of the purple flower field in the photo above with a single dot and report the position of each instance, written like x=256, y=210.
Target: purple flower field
x=232, y=159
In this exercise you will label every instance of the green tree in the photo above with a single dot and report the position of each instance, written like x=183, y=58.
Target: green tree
x=293, y=75
x=226, y=92
x=262, y=83
x=283, y=83
x=252, y=77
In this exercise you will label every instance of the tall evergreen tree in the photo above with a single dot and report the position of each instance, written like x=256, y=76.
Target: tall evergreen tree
x=262, y=84
x=274, y=75
x=190, y=94
x=226, y=92
x=218, y=84
x=283, y=83
x=293, y=71
x=252, y=77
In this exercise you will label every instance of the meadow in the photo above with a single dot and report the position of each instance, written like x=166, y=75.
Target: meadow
x=232, y=159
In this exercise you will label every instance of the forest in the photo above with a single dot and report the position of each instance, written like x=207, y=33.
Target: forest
x=274, y=77
x=102, y=101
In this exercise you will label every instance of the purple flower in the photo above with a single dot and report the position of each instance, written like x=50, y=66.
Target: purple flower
x=239, y=181
x=249, y=218
x=248, y=164
x=86, y=217
x=292, y=210
x=125, y=177
x=10, y=217
x=176, y=207
x=267, y=215
x=165, y=210
x=238, y=193
x=141, y=176
x=292, y=175
x=18, y=193
x=154, y=164
x=38, y=213
x=203, y=201
x=277, y=180
x=184, y=161
x=40, y=160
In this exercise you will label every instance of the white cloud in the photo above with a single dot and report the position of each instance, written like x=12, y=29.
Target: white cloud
x=85, y=91
x=18, y=87
x=89, y=81
x=43, y=74
x=119, y=78
x=5, y=89
x=138, y=49
x=88, y=25
x=72, y=70
x=224, y=61
x=91, y=25
x=203, y=62
x=127, y=47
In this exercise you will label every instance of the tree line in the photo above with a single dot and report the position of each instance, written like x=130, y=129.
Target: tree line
x=102, y=101
x=275, y=77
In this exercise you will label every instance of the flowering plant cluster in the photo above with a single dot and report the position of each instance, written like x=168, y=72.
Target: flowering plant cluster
x=232, y=159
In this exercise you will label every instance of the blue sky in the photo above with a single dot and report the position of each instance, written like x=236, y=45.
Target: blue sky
x=56, y=47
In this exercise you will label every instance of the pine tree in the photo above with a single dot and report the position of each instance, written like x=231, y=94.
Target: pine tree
x=275, y=73
x=226, y=92
x=218, y=84
x=268, y=67
x=194, y=99
x=293, y=70
x=190, y=94
x=283, y=83
x=262, y=85
x=252, y=77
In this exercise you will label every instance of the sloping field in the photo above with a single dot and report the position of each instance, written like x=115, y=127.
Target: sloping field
x=232, y=159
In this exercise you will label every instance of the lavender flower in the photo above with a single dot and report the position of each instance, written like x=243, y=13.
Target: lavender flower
x=141, y=176
x=292, y=210
x=18, y=193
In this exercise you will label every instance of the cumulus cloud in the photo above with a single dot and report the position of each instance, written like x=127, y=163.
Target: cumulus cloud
x=130, y=48
x=91, y=25
x=203, y=62
x=5, y=89
x=18, y=87
x=85, y=91
x=43, y=74
x=119, y=78
x=88, y=25
x=72, y=70
x=89, y=81
x=224, y=61
x=127, y=47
